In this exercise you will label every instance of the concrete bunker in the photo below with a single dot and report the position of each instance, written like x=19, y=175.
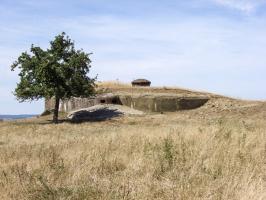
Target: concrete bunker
x=151, y=103
x=146, y=103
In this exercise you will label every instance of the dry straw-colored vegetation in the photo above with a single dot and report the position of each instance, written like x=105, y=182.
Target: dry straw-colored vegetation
x=113, y=84
x=185, y=155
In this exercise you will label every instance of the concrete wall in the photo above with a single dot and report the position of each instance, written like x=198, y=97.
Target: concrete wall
x=162, y=103
x=78, y=103
x=147, y=103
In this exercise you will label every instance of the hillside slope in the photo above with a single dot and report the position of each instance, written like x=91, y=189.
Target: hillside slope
x=216, y=151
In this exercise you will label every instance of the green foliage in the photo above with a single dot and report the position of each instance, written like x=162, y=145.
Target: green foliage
x=60, y=72
x=168, y=150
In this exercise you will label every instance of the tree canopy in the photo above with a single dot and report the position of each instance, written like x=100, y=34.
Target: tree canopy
x=58, y=72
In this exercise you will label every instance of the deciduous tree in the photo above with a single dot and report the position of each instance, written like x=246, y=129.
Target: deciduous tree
x=59, y=72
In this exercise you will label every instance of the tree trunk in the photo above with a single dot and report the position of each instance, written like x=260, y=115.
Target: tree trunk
x=56, y=108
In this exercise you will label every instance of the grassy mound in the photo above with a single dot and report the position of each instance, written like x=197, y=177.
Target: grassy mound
x=185, y=155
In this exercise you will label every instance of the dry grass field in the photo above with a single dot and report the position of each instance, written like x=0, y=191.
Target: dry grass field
x=113, y=84
x=118, y=87
x=214, y=152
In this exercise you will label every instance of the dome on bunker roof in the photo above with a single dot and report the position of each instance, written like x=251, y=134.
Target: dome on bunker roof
x=141, y=81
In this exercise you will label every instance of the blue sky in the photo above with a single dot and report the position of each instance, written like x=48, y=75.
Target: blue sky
x=211, y=45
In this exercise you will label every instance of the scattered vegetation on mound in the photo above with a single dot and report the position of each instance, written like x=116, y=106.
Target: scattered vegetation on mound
x=113, y=84
x=181, y=155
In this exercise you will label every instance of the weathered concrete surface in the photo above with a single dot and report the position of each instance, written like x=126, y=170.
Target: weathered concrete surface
x=143, y=102
x=78, y=103
x=158, y=103
x=102, y=112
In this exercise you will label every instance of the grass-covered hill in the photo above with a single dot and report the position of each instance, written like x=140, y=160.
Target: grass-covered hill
x=217, y=151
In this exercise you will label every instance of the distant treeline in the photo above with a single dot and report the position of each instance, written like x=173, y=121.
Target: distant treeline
x=13, y=117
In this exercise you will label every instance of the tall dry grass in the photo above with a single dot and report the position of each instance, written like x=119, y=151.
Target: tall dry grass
x=113, y=84
x=151, y=157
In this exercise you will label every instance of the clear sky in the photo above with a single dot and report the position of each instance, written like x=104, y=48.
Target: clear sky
x=212, y=45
